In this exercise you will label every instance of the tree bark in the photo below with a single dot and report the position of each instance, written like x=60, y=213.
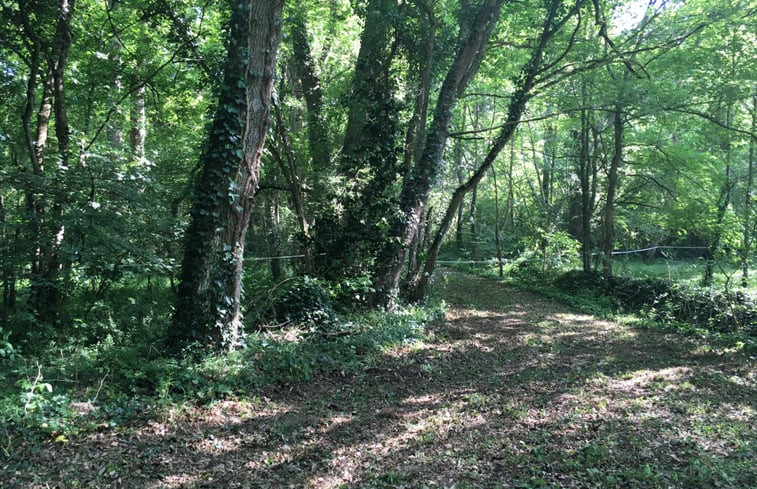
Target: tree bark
x=45, y=195
x=369, y=158
x=138, y=121
x=583, y=175
x=612, y=185
x=288, y=165
x=497, y=238
x=748, y=219
x=524, y=85
x=417, y=186
x=724, y=202
x=208, y=306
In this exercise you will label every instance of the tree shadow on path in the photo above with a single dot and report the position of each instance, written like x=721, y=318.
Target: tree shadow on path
x=511, y=390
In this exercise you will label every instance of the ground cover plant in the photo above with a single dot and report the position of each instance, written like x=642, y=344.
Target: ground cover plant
x=510, y=390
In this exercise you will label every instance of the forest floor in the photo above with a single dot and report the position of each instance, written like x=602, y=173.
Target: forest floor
x=509, y=390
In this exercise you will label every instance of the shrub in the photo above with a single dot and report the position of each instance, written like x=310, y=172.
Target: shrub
x=665, y=301
x=302, y=301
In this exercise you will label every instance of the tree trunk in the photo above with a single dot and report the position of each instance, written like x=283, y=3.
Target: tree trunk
x=416, y=133
x=520, y=97
x=274, y=238
x=723, y=204
x=369, y=156
x=457, y=151
x=138, y=120
x=7, y=267
x=497, y=238
x=288, y=165
x=473, y=225
x=510, y=203
x=318, y=135
x=417, y=186
x=517, y=106
x=748, y=220
x=208, y=306
x=45, y=196
x=584, y=171
x=612, y=184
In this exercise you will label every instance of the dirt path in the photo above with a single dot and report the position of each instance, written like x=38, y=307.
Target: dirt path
x=510, y=391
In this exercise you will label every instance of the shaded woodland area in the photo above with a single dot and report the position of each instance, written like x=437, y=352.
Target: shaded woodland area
x=203, y=199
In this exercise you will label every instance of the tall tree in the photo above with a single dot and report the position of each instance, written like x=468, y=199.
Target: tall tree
x=43, y=42
x=416, y=187
x=552, y=23
x=208, y=306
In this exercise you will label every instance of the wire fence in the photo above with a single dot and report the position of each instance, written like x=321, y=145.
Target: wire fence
x=504, y=260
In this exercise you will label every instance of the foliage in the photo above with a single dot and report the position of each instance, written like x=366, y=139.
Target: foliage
x=73, y=387
x=102, y=117
x=299, y=301
x=663, y=301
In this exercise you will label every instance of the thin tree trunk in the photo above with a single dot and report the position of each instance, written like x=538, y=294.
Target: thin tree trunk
x=45, y=196
x=510, y=203
x=416, y=133
x=417, y=186
x=318, y=136
x=138, y=120
x=497, y=238
x=274, y=238
x=612, y=184
x=473, y=225
x=518, y=103
x=723, y=204
x=288, y=165
x=584, y=176
x=748, y=220
x=457, y=151
x=6, y=267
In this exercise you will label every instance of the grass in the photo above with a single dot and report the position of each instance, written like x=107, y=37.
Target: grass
x=511, y=390
x=685, y=272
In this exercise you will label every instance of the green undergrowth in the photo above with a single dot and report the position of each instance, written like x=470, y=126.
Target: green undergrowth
x=70, y=389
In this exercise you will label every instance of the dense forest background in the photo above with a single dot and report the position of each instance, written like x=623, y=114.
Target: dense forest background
x=192, y=177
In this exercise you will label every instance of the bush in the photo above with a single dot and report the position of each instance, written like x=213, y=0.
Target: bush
x=302, y=301
x=665, y=301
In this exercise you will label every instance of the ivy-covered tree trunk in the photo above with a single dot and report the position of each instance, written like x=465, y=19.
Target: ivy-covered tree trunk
x=208, y=306
x=369, y=156
x=417, y=185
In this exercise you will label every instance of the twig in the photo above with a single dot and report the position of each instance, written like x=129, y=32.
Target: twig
x=97, y=393
x=34, y=386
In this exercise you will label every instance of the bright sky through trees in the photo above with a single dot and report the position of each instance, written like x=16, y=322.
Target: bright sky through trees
x=629, y=15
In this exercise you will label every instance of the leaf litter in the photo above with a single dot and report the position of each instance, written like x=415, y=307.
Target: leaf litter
x=510, y=390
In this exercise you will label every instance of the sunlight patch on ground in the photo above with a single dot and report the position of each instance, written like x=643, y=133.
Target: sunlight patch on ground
x=177, y=481
x=643, y=378
x=574, y=319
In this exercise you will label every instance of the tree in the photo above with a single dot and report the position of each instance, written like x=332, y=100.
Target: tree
x=208, y=305
x=418, y=182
